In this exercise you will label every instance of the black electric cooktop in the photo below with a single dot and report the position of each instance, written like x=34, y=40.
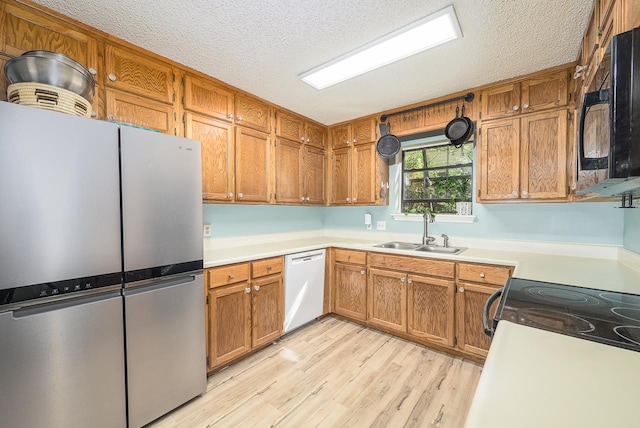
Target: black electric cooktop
x=602, y=316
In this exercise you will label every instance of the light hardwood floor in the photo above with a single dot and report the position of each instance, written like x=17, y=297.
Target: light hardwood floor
x=334, y=373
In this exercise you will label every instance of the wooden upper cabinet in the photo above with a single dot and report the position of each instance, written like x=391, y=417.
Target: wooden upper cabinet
x=604, y=10
x=216, y=138
x=501, y=101
x=364, y=131
x=202, y=96
x=289, y=172
x=136, y=73
x=315, y=135
x=499, y=160
x=146, y=112
x=290, y=126
x=365, y=179
x=252, y=165
x=315, y=167
x=387, y=299
x=252, y=113
x=4, y=83
x=430, y=309
x=528, y=96
x=267, y=310
x=544, y=155
x=341, y=136
x=341, y=163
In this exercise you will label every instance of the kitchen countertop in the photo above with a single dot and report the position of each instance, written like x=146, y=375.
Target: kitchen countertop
x=535, y=378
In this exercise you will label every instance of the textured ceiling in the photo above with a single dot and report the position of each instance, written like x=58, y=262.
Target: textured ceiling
x=261, y=46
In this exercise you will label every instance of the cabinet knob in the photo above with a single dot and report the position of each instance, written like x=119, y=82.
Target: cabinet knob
x=302, y=198
x=526, y=106
x=514, y=193
x=306, y=199
x=302, y=139
x=231, y=276
x=461, y=289
x=308, y=140
x=355, y=199
x=348, y=199
x=402, y=279
x=230, y=116
x=268, y=267
x=231, y=194
x=516, y=107
x=240, y=195
x=94, y=113
x=239, y=118
x=362, y=272
x=348, y=142
x=112, y=77
x=525, y=193
x=482, y=275
x=348, y=257
x=409, y=281
x=355, y=140
x=256, y=287
x=93, y=71
x=247, y=290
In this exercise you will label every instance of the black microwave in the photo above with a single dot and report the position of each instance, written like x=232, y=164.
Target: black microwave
x=609, y=133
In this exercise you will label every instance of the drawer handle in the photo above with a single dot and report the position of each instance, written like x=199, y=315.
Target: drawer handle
x=268, y=267
x=231, y=276
x=247, y=290
x=482, y=275
x=256, y=287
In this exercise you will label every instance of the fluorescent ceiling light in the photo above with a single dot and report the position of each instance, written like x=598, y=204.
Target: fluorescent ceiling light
x=424, y=34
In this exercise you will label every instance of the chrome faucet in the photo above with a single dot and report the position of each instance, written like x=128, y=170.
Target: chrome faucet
x=426, y=239
x=446, y=240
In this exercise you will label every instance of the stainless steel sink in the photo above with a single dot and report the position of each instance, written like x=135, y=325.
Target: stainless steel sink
x=442, y=250
x=418, y=247
x=399, y=245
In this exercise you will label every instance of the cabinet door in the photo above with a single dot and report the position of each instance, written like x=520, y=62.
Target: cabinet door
x=544, y=155
x=387, y=299
x=341, y=176
x=230, y=322
x=364, y=131
x=431, y=304
x=289, y=174
x=252, y=113
x=145, y=112
x=315, y=135
x=252, y=165
x=3, y=80
x=499, y=160
x=216, y=138
x=341, y=136
x=289, y=126
x=501, y=101
x=136, y=73
x=364, y=174
x=267, y=313
x=350, y=291
x=315, y=164
x=204, y=97
x=544, y=93
x=470, y=302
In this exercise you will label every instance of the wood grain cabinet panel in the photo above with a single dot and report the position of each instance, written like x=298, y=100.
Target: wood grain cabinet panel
x=138, y=74
x=417, y=265
x=267, y=267
x=544, y=93
x=501, y=101
x=499, y=160
x=252, y=113
x=315, y=161
x=147, y=113
x=204, y=97
x=230, y=323
x=350, y=256
x=364, y=131
x=216, y=138
x=341, y=163
x=267, y=310
x=484, y=274
x=315, y=135
x=252, y=165
x=350, y=291
x=229, y=274
x=364, y=174
x=289, y=172
x=387, y=299
x=341, y=136
x=3, y=79
x=430, y=309
x=470, y=302
x=290, y=126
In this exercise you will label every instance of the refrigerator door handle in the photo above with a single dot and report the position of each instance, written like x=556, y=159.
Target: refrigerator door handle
x=41, y=306
x=157, y=283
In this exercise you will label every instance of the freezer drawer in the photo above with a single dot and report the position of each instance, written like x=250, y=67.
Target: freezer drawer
x=62, y=364
x=166, y=358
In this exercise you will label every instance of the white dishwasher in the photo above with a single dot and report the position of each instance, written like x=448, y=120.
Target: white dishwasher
x=303, y=288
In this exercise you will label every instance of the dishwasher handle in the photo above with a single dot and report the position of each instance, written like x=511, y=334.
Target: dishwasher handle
x=307, y=258
x=490, y=330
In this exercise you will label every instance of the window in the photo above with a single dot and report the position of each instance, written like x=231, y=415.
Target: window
x=436, y=177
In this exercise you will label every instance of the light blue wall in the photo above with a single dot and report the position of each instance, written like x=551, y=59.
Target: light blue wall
x=237, y=220
x=632, y=229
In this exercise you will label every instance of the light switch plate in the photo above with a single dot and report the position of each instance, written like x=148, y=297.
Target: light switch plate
x=381, y=225
x=206, y=230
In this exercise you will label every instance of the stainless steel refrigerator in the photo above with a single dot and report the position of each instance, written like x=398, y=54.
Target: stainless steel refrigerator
x=100, y=271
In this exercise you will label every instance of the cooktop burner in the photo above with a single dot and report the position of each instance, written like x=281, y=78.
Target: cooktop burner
x=597, y=315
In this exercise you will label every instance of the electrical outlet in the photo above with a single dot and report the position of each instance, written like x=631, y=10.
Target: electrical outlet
x=207, y=230
x=381, y=225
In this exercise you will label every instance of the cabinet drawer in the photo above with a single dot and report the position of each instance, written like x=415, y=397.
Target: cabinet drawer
x=485, y=274
x=266, y=267
x=413, y=264
x=349, y=256
x=231, y=274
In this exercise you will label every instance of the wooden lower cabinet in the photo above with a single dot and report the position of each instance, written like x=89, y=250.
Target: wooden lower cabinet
x=431, y=304
x=350, y=291
x=470, y=302
x=387, y=299
x=267, y=310
x=229, y=323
